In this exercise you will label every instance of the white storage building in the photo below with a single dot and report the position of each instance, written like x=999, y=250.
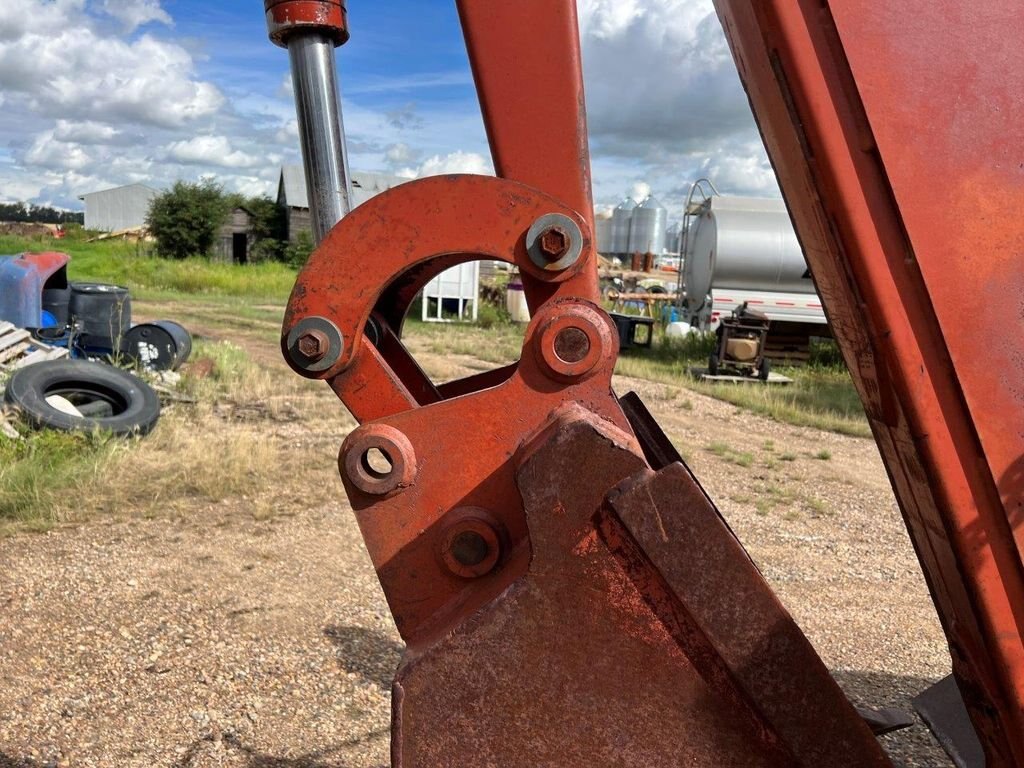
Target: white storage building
x=120, y=208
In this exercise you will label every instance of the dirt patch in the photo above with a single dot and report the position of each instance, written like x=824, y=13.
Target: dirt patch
x=252, y=631
x=26, y=229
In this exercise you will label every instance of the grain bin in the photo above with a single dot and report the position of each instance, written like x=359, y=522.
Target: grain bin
x=621, y=218
x=647, y=228
x=672, y=237
x=603, y=232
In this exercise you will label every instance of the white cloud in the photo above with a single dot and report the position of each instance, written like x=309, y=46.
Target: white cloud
x=93, y=97
x=399, y=154
x=20, y=190
x=21, y=17
x=47, y=152
x=747, y=169
x=664, y=101
x=212, y=150
x=641, y=190
x=54, y=57
x=85, y=132
x=135, y=13
x=453, y=162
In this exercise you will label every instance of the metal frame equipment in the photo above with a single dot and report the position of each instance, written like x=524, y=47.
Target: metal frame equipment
x=568, y=594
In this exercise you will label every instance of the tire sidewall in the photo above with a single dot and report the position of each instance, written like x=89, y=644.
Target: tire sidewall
x=27, y=391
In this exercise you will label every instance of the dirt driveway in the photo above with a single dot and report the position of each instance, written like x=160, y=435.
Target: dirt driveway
x=253, y=633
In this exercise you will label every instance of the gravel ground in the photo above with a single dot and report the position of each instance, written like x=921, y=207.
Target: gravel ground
x=216, y=639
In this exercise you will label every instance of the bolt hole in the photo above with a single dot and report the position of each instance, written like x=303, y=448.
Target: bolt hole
x=469, y=548
x=377, y=463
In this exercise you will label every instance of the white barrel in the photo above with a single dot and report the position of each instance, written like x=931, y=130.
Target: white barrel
x=515, y=302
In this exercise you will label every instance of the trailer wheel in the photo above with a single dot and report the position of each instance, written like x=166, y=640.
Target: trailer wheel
x=121, y=403
x=764, y=369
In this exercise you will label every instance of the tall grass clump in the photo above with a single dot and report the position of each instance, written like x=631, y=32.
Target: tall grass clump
x=148, y=276
x=43, y=475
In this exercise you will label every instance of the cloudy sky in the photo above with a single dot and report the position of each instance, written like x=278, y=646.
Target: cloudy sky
x=99, y=93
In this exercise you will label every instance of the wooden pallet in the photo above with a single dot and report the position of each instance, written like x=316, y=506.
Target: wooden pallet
x=18, y=348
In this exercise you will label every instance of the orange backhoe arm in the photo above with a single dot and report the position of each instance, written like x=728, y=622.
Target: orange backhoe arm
x=568, y=593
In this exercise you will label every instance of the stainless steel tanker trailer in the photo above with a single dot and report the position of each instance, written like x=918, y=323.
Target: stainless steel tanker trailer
x=740, y=250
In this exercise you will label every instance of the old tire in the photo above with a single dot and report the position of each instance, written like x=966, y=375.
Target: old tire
x=713, y=364
x=135, y=406
x=764, y=369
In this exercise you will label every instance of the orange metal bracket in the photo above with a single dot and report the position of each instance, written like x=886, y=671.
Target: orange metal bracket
x=895, y=129
x=568, y=593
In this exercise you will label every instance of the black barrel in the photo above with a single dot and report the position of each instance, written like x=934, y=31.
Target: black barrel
x=160, y=346
x=104, y=313
x=57, y=302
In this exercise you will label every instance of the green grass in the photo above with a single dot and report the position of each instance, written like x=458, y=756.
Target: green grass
x=501, y=343
x=149, y=277
x=823, y=455
x=40, y=473
x=821, y=395
x=49, y=477
x=731, y=455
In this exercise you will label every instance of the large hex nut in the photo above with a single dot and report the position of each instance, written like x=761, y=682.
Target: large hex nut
x=554, y=242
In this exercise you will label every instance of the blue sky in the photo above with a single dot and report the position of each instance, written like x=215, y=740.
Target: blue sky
x=96, y=93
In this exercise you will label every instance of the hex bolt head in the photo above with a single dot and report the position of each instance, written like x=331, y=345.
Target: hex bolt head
x=313, y=345
x=554, y=243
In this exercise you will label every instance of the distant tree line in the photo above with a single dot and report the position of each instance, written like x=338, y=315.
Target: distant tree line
x=39, y=214
x=185, y=220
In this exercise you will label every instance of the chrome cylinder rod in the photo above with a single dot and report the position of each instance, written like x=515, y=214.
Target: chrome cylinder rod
x=321, y=130
x=311, y=30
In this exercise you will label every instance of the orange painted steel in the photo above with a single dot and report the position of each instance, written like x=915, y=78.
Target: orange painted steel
x=526, y=63
x=510, y=567
x=895, y=129
x=328, y=17
x=568, y=593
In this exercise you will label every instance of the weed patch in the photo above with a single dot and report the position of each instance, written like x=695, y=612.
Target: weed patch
x=147, y=276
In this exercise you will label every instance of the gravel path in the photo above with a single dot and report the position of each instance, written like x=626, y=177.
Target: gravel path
x=212, y=638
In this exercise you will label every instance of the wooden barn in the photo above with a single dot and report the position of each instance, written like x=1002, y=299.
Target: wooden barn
x=235, y=238
x=292, y=196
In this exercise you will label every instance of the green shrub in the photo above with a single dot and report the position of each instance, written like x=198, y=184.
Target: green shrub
x=185, y=219
x=489, y=315
x=297, y=253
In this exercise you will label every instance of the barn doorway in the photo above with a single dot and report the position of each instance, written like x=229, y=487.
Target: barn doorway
x=240, y=248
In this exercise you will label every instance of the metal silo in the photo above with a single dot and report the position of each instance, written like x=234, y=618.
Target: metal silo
x=621, y=217
x=647, y=229
x=672, y=237
x=603, y=233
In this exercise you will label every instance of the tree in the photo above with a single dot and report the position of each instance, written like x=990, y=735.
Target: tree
x=39, y=213
x=185, y=219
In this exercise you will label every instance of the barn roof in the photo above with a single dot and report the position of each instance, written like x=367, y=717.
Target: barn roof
x=148, y=190
x=292, y=186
